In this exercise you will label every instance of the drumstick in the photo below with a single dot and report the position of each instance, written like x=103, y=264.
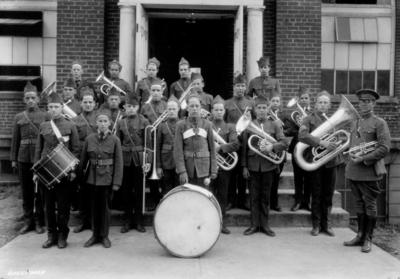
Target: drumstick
x=36, y=186
x=207, y=181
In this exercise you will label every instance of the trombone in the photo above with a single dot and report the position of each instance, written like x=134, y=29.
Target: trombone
x=299, y=111
x=105, y=88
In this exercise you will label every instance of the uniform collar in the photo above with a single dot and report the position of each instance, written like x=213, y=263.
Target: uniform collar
x=238, y=98
x=367, y=115
x=85, y=113
x=261, y=121
x=218, y=121
x=173, y=120
x=194, y=120
x=132, y=117
x=34, y=109
x=58, y=120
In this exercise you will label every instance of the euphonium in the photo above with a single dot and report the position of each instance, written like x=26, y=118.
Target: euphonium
x=227, y=162
x=105, y=88
x=260, y=138
x=298, y=111
x=163, y=86
x=345, y=114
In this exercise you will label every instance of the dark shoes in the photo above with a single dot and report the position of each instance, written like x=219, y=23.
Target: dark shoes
x=251, y=230
x=93, y=240
x=243, y=206
x=62, y=243
x=359, y=239
x=125, y=228
x=315, y=230
x=306, y=206
x=328, y=231
x=369, y=230
x=224, y=230
x=39, y=229
x=267, y=231
x=276, y=208
x=296, y=207
x=81, y=227
x=106, y=242
x=139, y=228
x=50, y=242
x=26, y=228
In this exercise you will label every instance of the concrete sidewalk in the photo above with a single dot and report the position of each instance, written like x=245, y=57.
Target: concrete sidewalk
x=293, y=253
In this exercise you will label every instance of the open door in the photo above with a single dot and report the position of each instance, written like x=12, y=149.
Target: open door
x=142, y=42
x=238, y=42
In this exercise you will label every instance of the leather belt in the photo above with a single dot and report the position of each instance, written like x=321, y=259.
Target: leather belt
x=28, y=141
x=134, y=148
x=104, y=162
x=200, y=154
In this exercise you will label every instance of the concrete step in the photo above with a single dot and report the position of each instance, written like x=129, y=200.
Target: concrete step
x=286, y=198
x=241, y=218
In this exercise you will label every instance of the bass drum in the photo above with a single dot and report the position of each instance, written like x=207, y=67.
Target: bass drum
x=187, y=222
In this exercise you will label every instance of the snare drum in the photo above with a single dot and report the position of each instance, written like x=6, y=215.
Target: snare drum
x=187, y=222
x=55, y=166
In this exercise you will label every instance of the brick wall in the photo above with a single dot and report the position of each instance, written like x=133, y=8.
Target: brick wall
x=9, y=108
x=111, y=31
x=80, y=32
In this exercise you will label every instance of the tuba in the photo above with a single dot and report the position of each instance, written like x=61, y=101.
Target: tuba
x=260, y=140
x=345, y=115
x=105, y=88
x=299, y=111
x=229, y=161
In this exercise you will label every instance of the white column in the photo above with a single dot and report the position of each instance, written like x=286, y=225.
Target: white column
x=127, y=36
x=255, y=34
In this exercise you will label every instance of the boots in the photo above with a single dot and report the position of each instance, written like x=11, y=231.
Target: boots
x=316, y=228
x=359, y=239
x=369, y=229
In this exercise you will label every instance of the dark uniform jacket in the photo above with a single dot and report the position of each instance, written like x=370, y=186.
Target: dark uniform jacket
x=235, y=108
x=122, y=84
x=75, y=106
x=310, y=123
x=165, y=144
x=130, y=131
x=47, y=140
x=104, y=158
x=143, y=89
x=25, y=134
x=179, y=86
x=153, y=110
x=368, y=128
x=206, y=100
x=263, y=86
x=194, y=148
x=228, y=133
x=82, y=121
x=253, y=161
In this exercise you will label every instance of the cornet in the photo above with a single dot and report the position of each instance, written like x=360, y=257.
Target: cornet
x=105, y=88
x=163, y=86
x=299, y=113
x=230, y=160
x=260, y=140
x=363, y=148
x=345, y=115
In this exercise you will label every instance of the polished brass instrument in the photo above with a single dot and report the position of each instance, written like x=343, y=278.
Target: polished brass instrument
x=363, y=148
x=182, y=100
x=163, y=86
x=114, y=128
x=273, y=116
x=260, y=140
x=204, y=113
x=230, y=160
x=328, y=131
x=105, y=88
x=299, y=113
x=67, y=111
x=47, y=91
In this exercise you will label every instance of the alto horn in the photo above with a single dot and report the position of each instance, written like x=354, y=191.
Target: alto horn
x=344, y=115
x=230, y=160
x=299, y=113
x=260, y=140
x=105, y=88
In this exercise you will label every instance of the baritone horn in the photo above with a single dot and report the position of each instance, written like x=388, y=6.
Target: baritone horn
x=328, y=131
x=260, y=140
x=105, y=88
x=229, y=161
x=299, y=113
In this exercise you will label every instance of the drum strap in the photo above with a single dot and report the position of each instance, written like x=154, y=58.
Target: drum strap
x=88, y=126
x=57, y=132
x=30, y=122
x=237, y=108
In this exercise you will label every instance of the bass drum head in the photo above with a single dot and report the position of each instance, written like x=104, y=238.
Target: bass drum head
x=187, y=223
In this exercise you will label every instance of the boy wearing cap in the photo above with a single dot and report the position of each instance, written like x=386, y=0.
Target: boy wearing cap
x=234, y=109
x=227, y=132
x=143, y=86
x=86, y=125
x=165, y=146
x=77, y=71
x=264, y=84
x=69, y=92
x=102, y=150
x=57, y=224
x=261, y=171
x=194, y=147
x=198, y=85
x=131, y=131
x=113, y=103
x=23, y=144
x=362, y=170
x=323, y=179
x=302, y=187
x=114, y=68
x=180, y=86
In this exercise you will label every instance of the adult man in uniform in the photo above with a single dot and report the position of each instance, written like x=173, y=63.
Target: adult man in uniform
x=180, y=86
x=165, y=148
x=69, y=92
x=365, y=170
x=86, y=125
x=77, y=71
x=264, y=84
x=194, y=147
x=23, y=144
x=323, y=179
x=198, y=85
x=235, y=107
x=260, y=170
x=143, y=86
x=131, y=131
x=227, y=132
x=57, y=225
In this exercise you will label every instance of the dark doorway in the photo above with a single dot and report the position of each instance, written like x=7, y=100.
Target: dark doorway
x=206, y=44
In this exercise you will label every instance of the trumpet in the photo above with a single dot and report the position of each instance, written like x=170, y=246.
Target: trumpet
x=163, y=86
x=226, y=163
x=273, y=116
x=299, y=113
x=363, y=148
x=260, y=140
x=105, y=88
x=114, y=128
x=344, y=115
